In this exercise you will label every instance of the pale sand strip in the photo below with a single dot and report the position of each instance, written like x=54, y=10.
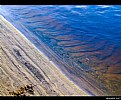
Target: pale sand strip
x=21, y=63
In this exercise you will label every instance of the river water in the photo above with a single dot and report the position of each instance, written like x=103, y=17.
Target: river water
x=86, y=38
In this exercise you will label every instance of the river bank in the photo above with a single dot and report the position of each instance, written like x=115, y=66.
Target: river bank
x=22, y=64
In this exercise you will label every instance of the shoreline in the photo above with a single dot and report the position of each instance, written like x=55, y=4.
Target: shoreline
x=72, y=89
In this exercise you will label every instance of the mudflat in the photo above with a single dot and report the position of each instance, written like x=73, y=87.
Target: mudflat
x=26, y=71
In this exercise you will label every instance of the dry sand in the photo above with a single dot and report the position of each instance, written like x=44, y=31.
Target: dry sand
x=22, y=64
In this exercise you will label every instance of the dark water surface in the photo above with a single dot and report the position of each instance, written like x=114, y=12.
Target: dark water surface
x=85, y=39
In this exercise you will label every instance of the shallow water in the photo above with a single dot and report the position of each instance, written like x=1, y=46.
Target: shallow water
x=85, y=37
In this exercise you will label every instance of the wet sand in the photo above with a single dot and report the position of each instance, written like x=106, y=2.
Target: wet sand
x=22, y=64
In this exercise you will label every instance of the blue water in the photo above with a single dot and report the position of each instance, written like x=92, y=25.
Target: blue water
x=85, y=37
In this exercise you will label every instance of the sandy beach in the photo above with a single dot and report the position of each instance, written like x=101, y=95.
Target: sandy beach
x=21, y=64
